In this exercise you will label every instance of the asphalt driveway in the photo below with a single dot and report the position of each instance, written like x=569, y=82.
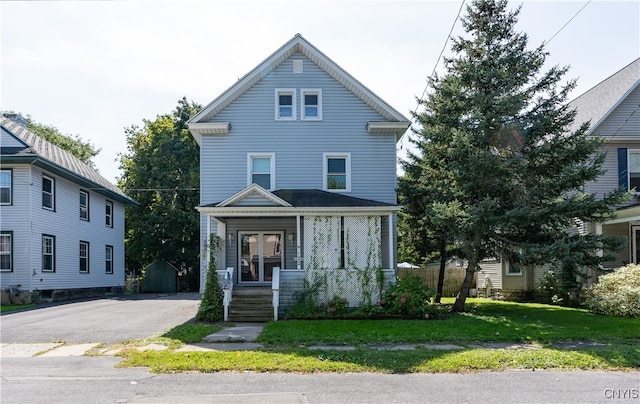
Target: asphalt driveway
x=107, y=320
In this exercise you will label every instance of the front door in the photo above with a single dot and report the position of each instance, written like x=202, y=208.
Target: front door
x=635, y=244
x=259, y=253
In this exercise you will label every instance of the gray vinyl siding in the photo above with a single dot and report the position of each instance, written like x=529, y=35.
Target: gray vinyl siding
x=298, y=145
x=15, y=218
x=623, y=121
x=30, y=223
x=6, y=140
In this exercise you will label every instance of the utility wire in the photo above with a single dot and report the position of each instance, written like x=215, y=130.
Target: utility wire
x=567, y=23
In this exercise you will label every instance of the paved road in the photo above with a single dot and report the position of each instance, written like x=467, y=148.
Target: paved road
x=95, y=380
x=103, y=320
x=81, y=379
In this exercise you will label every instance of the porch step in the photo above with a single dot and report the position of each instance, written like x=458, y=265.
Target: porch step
x=251, y=305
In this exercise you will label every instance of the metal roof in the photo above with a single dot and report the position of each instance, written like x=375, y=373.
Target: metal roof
x=52, y=158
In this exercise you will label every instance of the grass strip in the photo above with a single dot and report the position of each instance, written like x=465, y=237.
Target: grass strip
x=619, y=357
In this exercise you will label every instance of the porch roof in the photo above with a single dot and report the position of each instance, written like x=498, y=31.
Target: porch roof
x=302, y=202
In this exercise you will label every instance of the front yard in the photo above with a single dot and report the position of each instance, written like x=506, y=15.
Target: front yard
x=609, y=343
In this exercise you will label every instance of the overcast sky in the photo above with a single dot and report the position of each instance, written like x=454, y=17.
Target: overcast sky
x=93, y=68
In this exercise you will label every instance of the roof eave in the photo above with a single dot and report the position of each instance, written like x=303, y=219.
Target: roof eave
x=64, y=173
x=236, y=211
x=385, y=128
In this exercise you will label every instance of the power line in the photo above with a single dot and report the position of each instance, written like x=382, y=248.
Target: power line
x=567, y=23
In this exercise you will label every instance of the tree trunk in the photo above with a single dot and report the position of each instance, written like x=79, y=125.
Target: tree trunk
x=443, y=263
x=458, y=306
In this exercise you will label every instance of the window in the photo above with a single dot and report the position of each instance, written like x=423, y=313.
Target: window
x=262, y=170
x=84, y=257
x=108, y=214
x=6, y=190
x=337, y=172
x=634, y=170
x=6, y=251
x=48, y=253
x=108, y=259
x=512, y=267
x=311, y=104
x=48, y=193
x=286, y=104
x=84, y=205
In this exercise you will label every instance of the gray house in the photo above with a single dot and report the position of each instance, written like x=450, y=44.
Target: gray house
x=613, y=109
x=298, y=178
x=62, y=223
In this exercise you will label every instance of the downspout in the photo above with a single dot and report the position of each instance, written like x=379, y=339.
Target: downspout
x=31, y=268
x=298, y=250
x=390, y=230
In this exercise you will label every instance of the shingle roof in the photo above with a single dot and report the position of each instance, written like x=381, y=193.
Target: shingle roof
x=47, y=152
x=598, y=102
x=314, y=198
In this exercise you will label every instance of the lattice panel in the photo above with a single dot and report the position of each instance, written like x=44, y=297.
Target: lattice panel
x=363, y=242
x=322, y=242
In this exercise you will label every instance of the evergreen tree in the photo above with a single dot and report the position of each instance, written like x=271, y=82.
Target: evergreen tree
x=494, y=152
x=161, y=171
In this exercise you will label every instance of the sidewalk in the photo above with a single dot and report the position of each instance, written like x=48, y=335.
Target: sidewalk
x=243, y=337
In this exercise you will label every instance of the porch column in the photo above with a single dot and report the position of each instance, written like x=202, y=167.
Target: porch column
x=598, y=232
x=390, y=230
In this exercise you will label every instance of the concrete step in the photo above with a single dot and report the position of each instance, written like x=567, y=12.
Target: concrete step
x=251, y=305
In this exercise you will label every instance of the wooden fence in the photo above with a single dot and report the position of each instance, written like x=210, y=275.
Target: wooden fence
x=453, y=278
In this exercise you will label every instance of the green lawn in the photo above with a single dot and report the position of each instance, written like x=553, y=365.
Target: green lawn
x=13, y=307
x=285, y=344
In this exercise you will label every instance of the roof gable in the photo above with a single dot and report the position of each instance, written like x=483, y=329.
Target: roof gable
x=200, y=124
x=600, y=101
x=254, y=195
x=53, y=158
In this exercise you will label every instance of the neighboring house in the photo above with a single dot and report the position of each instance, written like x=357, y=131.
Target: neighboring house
x=298, y=179
x=61, y=222
x=613, y=108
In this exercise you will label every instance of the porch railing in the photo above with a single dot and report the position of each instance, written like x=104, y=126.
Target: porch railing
x=275, y=288
x=227, y=289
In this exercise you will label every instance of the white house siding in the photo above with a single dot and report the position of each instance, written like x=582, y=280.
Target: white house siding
x=492, y=270
x=15, y=218
x=65, y=224
x=298, y=145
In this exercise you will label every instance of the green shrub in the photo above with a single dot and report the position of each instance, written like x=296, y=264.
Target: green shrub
x=211, y=307
x=617, y=293
x=408, y=297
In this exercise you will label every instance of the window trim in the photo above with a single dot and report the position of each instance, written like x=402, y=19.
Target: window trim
x=325, y=168
x=87, y=250
x=86, y=206
x=108, y=217
x=507, y=267
x=294, y=113
x=53, y=253
x=108, y=257
x=53, y=193
x=272, y=168
x=10, y=234
x=629, y=153
x=10, y=171
x=310, y=91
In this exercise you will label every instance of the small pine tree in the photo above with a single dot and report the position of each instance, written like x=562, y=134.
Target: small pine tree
x=211, y=307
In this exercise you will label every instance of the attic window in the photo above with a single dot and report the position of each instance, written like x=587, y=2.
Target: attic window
x=297, y=66
x=311, y=104
x=285, y=101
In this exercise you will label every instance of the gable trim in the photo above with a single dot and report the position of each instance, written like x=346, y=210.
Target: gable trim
x=613, y=107
x=251, y=189
x=297, y=44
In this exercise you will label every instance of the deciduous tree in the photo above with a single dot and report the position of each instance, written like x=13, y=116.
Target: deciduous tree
x=161, y=171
